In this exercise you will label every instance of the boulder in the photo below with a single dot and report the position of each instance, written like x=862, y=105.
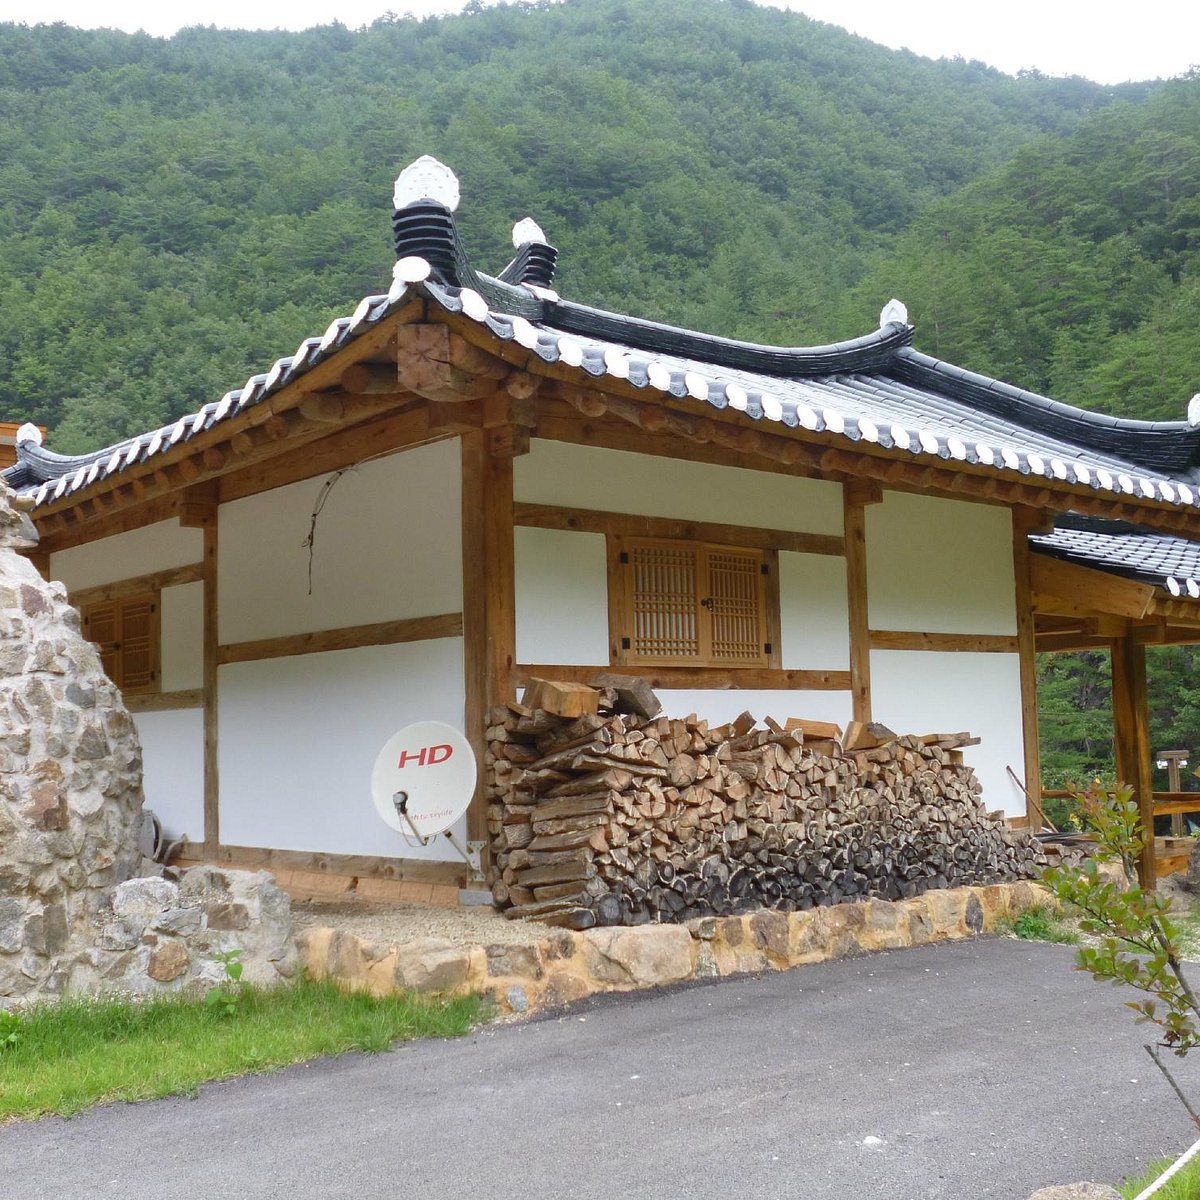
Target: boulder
x=644, y=956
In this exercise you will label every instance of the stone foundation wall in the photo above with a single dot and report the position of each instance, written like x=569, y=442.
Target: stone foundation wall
x=567, y=965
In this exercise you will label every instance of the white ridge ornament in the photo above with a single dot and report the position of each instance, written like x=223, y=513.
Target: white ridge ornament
x=527, y=230
x=1193, y=416
x=426, y=179
x=894, y=313
x=29, y=432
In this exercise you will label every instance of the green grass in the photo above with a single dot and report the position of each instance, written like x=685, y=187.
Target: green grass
x=1188, y=925
x=1041, y=924
x=1184, y=1186
x=79, y=1052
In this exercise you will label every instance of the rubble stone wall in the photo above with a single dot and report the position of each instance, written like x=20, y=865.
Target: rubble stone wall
x=74, y=916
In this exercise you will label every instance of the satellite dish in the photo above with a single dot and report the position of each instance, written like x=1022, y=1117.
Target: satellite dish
x=423, y=780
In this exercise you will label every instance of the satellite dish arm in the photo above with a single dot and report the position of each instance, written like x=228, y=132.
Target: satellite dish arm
x=470, y=856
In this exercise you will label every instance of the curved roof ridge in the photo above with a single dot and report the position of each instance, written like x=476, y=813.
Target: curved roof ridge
x=1164, y=447
x=872, y=351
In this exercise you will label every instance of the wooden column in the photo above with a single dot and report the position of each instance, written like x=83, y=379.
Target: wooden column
x=1131, y=728
x=1023, y=523
x=855, y=498
x=489, y=618
x=212, y=791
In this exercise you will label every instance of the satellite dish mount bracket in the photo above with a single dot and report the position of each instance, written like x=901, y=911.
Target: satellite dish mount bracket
x=471, y=853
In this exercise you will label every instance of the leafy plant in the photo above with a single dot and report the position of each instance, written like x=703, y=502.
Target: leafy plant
x=1042, y=924
x=1138, y=943
x=225, y=998
x=10, y=1029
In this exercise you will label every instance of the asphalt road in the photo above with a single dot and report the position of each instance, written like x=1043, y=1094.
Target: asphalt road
x=970, y=1071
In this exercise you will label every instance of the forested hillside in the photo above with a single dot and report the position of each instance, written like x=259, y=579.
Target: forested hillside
x=1075, y=269
x=175, y=214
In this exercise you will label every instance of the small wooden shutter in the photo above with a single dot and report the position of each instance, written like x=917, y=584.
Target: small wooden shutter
x=139, y=644
x=693, y=604
x=100, y=626
x=125, y=632
x=663, y=584
x=736, y=607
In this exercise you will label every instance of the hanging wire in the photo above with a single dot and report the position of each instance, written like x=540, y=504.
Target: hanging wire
x=310, y=542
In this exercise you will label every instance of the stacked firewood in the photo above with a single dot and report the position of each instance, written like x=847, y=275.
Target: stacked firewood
x=604, y=812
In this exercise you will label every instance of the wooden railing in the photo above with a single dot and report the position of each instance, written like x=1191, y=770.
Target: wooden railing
x=1170, y=853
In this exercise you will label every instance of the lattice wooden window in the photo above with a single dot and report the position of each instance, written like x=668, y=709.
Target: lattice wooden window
x=126, y=632
x=691, y=603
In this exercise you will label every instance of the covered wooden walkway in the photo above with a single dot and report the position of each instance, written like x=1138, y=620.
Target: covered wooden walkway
x=1079, y=607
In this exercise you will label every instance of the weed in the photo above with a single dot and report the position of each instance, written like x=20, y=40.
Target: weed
x=225, y=997
x=1042, y=924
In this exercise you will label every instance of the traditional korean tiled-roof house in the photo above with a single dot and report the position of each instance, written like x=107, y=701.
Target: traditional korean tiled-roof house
x=470, y=480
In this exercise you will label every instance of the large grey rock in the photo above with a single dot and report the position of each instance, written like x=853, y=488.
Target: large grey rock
x=643, y=956
x=431, y=965
x=144, y=899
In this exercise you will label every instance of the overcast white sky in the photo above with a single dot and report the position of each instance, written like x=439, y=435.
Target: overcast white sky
x=1105, y=40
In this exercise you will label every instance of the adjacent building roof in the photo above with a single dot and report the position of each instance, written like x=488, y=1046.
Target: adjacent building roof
x=1123, y=549
x=874, y=389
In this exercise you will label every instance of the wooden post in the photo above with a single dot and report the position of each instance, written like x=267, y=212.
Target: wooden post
x=212, y=810
x=1131, y=728
x=1023, y=523
x=855, y=498
x=489, y=616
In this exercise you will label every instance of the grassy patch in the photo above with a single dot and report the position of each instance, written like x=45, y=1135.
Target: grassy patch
x=1188, y=925
x=61, y=1058
x=1041, y=924
x=1184, y=1186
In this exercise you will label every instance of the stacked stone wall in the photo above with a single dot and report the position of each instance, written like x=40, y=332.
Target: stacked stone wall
x=74, y=914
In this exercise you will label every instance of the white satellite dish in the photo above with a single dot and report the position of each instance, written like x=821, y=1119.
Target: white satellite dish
x=423, y=781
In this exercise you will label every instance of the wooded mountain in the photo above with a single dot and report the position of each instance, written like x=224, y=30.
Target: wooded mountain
x=175, y=214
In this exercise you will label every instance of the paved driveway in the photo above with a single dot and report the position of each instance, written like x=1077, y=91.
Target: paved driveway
x=971, y=1071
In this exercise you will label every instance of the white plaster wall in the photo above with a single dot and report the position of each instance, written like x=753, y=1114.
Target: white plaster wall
x=182, y=635
x=814, y=615
x=917, y=691
x=173, y=762
x=718, y=706
x=940, y=566
x=618, y=481
x=561, y=597
x=388, y=546
x=298, y=738
x=126, y=555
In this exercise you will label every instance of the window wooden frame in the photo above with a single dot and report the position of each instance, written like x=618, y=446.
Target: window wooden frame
x=719, y=603
x=127, y=631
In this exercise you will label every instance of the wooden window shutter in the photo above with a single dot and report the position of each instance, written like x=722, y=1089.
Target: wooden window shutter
x=736, y=606
x=139, y=644
x=692, y=604
x=100, y=624
x=126, y=632
x=662, y=582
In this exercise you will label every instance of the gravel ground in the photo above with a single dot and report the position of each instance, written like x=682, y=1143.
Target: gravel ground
x=397, y=923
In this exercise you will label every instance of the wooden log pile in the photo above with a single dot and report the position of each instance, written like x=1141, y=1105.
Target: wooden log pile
x=603, y=812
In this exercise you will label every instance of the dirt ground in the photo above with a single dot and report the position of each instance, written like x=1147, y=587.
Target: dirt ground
x=394, y=924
